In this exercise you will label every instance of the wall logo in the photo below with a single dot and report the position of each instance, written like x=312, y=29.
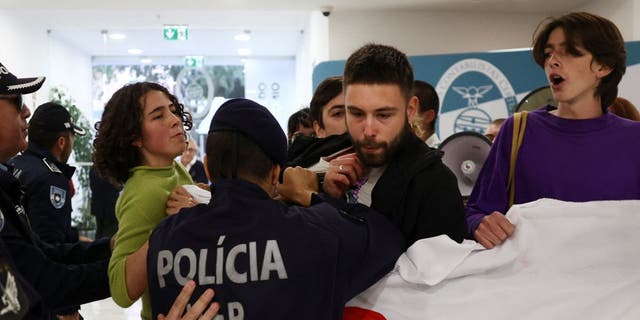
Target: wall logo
x=194, y=88
x=473, y=93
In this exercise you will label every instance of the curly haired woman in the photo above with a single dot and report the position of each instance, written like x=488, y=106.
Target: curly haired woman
x=141, y=132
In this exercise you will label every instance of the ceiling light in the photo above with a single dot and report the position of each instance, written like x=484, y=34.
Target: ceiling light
x=117, y=36
x=146, y=61
x=244, y=36
x=135, y=51
x=244, y=51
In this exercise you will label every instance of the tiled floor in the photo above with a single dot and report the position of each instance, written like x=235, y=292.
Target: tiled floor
x=108, y=310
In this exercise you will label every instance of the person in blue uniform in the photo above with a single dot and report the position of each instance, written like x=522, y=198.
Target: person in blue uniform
x=43, y=171
x=63, y=275
x=264, y=258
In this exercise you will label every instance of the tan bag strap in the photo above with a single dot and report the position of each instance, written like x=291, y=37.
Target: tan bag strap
x=519, y=124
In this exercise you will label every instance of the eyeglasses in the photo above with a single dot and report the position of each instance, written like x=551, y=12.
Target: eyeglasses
x=15, y=99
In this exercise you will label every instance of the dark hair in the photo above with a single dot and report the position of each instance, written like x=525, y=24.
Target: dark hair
x=328, y=89
x=598, y=36
x=625, y=109
x=427, y=99
x=379, y=64
x=299, y=117
x=251, y=162
x=43, y=137
x=121, y=125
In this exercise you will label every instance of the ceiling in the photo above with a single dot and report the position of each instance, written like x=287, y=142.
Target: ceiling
x=531, y=6
x=276, y=26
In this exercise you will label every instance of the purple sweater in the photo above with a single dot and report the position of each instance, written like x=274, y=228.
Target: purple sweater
x=570, y=160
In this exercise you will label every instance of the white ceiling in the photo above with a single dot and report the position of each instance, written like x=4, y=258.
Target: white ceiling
x=275, y=25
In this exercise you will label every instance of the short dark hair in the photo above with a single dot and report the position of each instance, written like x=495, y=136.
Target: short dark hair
x=251, y=162
x=121, y=125
x=427, y=99
x=597, y=35
x=379, y=64
x=299, y=117
x=327, y=90
x=44, y=138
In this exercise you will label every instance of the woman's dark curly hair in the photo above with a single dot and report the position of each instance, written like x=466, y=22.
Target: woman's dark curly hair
x=121, y=125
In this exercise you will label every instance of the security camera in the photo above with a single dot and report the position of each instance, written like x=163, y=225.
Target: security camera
x=326, y=11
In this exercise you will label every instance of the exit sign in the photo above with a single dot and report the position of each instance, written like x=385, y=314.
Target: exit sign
x=194, y=61
x=175, y=32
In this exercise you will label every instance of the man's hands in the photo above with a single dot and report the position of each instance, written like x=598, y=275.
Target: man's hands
x=196, y=311
x=298, y=184
x=344, y=171
x=493, y=230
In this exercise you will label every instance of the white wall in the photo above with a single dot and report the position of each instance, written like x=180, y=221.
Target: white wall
x=70, y=69
x=423, y=32
x=23, y=50
x=27, y=51
x=623, y=13
x=313, y=49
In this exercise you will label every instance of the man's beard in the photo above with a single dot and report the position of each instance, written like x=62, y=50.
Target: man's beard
x=378, y=159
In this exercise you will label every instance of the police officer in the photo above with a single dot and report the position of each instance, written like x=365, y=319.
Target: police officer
x=62, y=275
x=265, y=259
x=43, y=171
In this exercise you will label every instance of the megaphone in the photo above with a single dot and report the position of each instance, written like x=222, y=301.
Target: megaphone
x=536, y=99
x=465, y=153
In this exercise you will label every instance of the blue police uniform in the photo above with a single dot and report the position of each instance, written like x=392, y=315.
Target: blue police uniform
x=64, y=274
x=267, y=260
x=18, y=300
x=48, y=193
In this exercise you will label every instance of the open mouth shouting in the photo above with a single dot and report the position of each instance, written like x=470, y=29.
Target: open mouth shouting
x=555, y=80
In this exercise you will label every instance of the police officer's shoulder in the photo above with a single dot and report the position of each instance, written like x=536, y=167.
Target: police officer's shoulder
x=51, y=166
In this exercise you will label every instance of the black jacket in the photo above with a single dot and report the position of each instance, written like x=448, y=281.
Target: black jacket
x=48, y=194
x=306, y=151
x=419, y=194
x=62, y=274
x=197, y=173
x=266, y=260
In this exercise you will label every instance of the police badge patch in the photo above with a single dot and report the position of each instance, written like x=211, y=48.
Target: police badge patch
x=57, y=197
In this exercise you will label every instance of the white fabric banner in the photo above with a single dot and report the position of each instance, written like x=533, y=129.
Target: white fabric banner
x=564, y=261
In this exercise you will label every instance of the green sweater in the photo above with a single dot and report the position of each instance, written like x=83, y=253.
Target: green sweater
x=140, y=207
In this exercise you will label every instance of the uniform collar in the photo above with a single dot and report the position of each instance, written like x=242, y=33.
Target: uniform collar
x=43, y=153
x=239, y=186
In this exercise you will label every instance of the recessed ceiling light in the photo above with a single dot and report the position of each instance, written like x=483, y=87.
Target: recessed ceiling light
x=245, y=36
x=135, y=51
x=244, y=51
x=117, y=36
x=145, y=61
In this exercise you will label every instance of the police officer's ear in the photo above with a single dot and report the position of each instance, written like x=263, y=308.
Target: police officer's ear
x=275, y=174
x=412, y=107
x=206, y=167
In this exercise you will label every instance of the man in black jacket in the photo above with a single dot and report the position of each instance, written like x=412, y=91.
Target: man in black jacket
x=392, y=171
x=62, y=275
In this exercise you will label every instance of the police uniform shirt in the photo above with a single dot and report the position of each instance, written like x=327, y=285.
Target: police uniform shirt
x=62, y=275
x=18, y=300
x=47, y=194
x=269, y=261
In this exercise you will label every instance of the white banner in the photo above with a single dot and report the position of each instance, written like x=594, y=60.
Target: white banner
x=564, y=261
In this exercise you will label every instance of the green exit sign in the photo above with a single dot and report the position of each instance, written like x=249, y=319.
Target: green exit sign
x=194, y=61
x=175, y=32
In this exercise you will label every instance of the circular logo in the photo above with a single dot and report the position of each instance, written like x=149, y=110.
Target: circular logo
x=472, y=92
x=194, y=88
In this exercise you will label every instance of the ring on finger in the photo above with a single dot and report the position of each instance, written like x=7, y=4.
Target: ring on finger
x=340, y=168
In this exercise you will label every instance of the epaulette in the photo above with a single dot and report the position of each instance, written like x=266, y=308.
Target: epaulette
x=51, y=166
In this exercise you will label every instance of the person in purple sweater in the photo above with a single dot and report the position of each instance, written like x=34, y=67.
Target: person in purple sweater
x=576, y=151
